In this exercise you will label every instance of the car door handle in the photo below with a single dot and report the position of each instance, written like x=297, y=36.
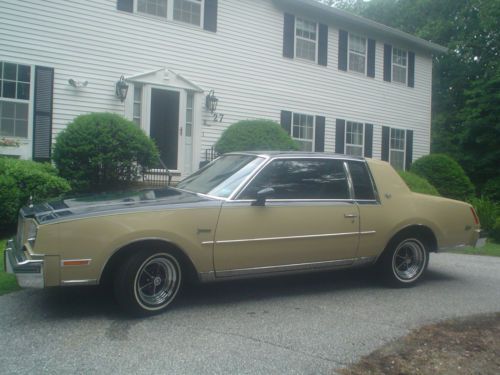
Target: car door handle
x=350, y=216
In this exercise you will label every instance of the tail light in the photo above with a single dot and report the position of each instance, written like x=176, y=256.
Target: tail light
x=476, y=219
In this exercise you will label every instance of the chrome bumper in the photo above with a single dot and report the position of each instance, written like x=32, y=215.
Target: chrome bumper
x=29, y=272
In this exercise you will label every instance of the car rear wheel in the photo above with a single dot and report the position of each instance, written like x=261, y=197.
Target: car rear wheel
x=405, y=262
x=148, y=282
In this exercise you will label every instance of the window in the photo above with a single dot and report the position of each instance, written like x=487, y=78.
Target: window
x=357, y=53
x=189, y=114
x=305, y=39
x=153, y=7
x=188, y=11
x=15, y=82
x=399, y=65
x=301, y=179
x=137, y=104
x=354, y=138
x=362, y=183
x=397, y=148
x=303, y=131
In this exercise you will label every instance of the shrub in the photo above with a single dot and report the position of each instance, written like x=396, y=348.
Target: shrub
x=445, y=174
x=495, y=232
x=102, y=150
x=254, y=135
x=418, y=184
x=492, y=189
x=20, y=179
x=486, y=210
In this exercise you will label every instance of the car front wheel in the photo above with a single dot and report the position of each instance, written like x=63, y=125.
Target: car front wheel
x=148, y=282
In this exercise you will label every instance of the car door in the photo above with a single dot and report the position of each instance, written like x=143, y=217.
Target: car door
x=310, y=222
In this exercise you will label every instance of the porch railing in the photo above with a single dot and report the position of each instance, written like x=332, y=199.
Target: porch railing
x=159, y=175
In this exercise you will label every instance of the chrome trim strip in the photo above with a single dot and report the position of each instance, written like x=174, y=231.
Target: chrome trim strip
x=78, y=282
x=285, y=268
x=364, y=261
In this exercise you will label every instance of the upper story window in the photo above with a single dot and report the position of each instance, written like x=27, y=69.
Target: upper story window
x=15, y=82
x=305, y=39
x=357, y=53
x=303, y=131
x=153, y=7
x=188, y=11
x=301, y=179
x=354, y=138
x=399, y=65
x=397, y=148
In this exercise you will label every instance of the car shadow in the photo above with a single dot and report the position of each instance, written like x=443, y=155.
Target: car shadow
x=98, y=301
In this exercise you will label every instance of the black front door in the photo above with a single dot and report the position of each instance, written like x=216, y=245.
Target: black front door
x=164, y=125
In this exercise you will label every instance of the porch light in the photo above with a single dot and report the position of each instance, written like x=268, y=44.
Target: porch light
x=121, y=89
x=211, y=101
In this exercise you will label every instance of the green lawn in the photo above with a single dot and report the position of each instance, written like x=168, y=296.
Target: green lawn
x=7, y=282
x=491, y=249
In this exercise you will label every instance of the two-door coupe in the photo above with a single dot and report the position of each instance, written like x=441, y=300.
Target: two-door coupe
x=246, y=214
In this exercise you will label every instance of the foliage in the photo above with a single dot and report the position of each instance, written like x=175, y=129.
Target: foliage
x=254, y=135
x=7, y=282
x=20, y=179
x=487, y=211
x=99, y=151
x=492, y=189
x=418, y=184
x=466, y=80
x=445, y=174
x=495, y=232
x=490, y=249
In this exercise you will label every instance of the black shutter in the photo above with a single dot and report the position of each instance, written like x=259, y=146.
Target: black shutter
x=323, y=45
x=411, y=69
x=370, y=69
x=289, y=35
x=409, y=149
x=342, y=50
x=386, y=135
x=340, y=136
x=387, y=62
x=125, y=5
x=42, y=114
x=210, y=15
x=368, y=140
x=319, y=135
x=286, y=121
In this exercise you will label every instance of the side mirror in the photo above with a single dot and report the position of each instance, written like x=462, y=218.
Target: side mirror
x=262, y=195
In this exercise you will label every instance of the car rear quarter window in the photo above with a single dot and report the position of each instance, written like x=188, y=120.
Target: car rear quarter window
x=362, y=183
x=301, y=179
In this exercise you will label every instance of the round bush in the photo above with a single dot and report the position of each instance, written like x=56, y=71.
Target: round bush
x=254, y=135
x=22, y=179
x=101, y=151
x=446, y=175
x=418, y=184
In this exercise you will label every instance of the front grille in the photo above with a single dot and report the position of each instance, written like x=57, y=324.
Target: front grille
x=20, y=231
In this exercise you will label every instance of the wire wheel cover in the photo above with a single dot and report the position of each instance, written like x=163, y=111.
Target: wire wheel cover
x=408, y=260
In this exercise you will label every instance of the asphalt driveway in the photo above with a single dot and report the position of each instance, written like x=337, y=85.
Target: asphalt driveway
x=307, y=324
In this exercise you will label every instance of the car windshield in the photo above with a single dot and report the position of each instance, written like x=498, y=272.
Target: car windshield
x=221, y=177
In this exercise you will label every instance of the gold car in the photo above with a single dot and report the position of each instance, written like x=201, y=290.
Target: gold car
x=245, y=214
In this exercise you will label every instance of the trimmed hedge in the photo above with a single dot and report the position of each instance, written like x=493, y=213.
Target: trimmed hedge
x=446, y=175
x=20, y=179
x=254, y=135
x=100, y=151
x=418, y=184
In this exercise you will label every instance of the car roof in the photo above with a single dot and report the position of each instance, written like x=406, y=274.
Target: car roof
x=301, y=154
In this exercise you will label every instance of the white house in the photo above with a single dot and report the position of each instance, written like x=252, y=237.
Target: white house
x=335, y=81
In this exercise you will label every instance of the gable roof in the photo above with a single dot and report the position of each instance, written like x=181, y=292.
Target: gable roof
x=347, y=19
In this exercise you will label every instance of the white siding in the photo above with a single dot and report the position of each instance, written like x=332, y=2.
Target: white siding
x=90, y=40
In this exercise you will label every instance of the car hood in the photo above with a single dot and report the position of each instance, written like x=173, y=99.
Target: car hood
x=113, y=202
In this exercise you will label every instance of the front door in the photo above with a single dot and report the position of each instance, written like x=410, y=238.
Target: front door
x=164, y=125
x=311, y=222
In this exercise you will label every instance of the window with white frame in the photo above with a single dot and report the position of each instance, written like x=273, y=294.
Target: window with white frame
x=137, y=116
x=153, y=7
x=357, y=53
x=305, y=39
x=188, y=11
x=399, y=65
x=354, y=138
x=303, y=131
x=397, y=148
x=15, y=82
x=189, y=114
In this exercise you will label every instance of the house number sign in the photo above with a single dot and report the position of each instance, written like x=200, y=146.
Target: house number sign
x=218, y=117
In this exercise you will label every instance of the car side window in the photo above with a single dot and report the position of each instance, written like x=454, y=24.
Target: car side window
x=301, y=179
x=362, y=183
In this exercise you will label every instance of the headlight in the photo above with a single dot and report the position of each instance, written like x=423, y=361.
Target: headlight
x=32, y=230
